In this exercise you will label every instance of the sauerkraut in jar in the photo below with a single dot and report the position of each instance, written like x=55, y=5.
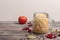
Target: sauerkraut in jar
x=40, y=23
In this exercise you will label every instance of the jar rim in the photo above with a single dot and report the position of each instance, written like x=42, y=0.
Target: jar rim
x=41, y=13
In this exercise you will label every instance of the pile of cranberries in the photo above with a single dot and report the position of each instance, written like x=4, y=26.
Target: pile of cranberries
x=50, y=36
x=28, y=27
x=29, y=24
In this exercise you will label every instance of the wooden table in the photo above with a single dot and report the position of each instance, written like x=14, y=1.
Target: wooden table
x=11, y=30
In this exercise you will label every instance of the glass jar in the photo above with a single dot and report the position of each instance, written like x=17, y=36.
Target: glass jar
x=40, y=22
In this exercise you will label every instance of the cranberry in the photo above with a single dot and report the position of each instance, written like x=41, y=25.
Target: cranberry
x=29, y=30
x=25, y=28
x=54, y=36
x=49, y=36
x=59, y=35
x=29, y=24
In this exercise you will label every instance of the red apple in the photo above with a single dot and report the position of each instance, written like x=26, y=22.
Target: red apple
x=22, y=19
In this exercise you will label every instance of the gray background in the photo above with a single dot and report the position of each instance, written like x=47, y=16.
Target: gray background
x=10, y=10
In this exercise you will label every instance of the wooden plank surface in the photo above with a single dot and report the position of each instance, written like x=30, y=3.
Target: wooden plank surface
x=9, y=25
x=5, y=26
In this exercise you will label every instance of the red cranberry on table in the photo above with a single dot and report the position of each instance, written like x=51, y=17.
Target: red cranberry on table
x=29, y=24
x=50, y=36
x=29, y=30
x=25, y=28
x=54, y=36
x=58, y=34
